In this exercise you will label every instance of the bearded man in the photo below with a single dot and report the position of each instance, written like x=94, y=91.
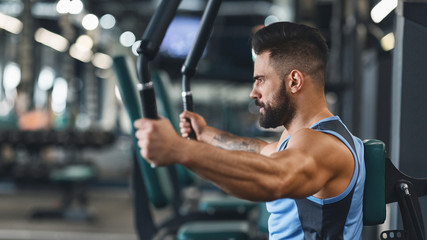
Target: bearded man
x=312, y=178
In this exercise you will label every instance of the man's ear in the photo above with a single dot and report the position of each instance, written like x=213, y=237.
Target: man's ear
x=296, y=81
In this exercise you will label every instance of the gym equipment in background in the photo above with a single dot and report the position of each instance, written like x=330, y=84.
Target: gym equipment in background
x=386, y=184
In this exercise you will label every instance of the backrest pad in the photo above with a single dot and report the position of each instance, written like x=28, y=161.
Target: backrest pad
x=374, y=211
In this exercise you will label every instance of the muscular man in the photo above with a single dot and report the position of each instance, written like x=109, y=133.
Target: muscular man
x=312, y=178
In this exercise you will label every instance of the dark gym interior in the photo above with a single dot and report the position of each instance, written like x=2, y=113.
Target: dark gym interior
x=67, y=159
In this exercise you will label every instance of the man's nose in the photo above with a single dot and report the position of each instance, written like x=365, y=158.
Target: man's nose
x=254, y=93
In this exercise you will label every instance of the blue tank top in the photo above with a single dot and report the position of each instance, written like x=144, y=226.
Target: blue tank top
x=335, y=218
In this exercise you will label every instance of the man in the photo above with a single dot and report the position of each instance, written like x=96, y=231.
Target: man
x=313, y=177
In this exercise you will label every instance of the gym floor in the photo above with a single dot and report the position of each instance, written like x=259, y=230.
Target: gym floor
x=112, y=212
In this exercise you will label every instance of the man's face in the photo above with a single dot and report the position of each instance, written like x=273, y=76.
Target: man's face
x=270, y=93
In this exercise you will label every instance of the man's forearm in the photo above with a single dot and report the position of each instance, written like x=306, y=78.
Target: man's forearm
x=229, y=141
x=240, y=173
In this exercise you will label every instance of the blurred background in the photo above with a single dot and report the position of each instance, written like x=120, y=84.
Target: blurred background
x=65, y=146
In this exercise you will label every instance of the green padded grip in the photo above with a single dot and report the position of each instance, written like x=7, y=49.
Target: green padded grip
x=374, y=211
x=129, y=93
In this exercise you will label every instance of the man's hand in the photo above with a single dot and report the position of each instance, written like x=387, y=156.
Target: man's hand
x=158, y=141
x=197, y=123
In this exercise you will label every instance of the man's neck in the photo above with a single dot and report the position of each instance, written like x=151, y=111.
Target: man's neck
x=306, y=120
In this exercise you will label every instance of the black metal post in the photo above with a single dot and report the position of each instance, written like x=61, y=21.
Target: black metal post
x=189, y=68
x=150, y=44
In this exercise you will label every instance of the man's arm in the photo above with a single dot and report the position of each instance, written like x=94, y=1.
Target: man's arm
x=217, y=137
x=313, y=163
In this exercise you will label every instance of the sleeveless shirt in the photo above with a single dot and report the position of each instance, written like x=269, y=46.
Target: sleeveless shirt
x=335, y=218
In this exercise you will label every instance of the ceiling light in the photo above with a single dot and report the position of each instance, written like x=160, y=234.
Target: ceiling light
x=10, y=24
x=12, y=76
x=59, y=96
x=107, y=21
x=270, y=19
x=90, y=22
x=69, y=6
x=382, y=9
x=62, y=7
x=75, y=7
x=80, y=54
x=135, y=47
x=101, y=60
x=127, y=38
x=46, y=78
x=84, y=42
x=387, y=42
x=51, y=39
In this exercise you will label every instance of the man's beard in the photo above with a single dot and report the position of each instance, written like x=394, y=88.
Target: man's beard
x=281, y=114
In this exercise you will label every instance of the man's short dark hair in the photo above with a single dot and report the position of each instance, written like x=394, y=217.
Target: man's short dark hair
x=293, y=46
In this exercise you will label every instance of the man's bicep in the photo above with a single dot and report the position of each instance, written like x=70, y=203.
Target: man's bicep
x=300, y=174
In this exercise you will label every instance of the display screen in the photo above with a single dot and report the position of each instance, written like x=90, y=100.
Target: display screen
x=180, y=37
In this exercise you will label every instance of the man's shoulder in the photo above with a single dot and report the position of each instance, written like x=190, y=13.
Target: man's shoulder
x=320, y=145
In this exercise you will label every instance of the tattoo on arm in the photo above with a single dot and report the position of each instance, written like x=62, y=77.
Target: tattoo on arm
x=231, y=142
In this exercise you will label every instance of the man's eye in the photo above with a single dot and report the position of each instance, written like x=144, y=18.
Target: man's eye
x=258, y=80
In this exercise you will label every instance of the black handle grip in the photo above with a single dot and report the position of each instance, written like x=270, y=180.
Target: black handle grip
x=192, y=134
x=149, y=106
x=187, y=101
